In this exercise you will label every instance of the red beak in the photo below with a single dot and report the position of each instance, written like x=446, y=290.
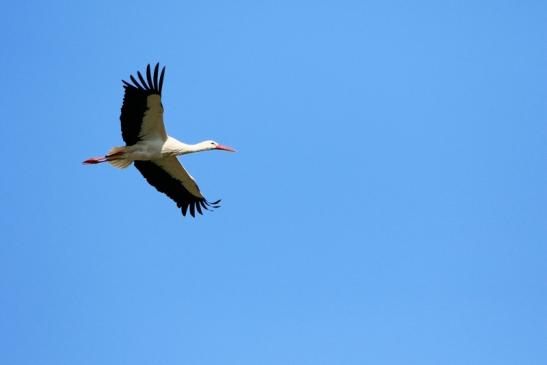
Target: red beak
x=225, y=148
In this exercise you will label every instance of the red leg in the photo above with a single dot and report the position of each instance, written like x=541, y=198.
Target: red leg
x=94, y=160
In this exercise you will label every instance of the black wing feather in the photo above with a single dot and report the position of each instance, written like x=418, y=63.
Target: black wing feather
x=134, y=105
x=161, y=79
x=136, y=82
x=203, y=205
x=156, y=76
x=149, y=77
x=145, y=87
x=173, y=188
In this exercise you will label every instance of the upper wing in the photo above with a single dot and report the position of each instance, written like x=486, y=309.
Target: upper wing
x=142, y=111
x=169, y=177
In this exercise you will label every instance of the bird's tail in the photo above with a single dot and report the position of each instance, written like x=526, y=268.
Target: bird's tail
x=116, y=158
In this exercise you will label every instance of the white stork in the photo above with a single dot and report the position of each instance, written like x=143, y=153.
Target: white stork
x=153, y=152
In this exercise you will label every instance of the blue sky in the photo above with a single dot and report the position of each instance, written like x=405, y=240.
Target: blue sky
x=387, y=204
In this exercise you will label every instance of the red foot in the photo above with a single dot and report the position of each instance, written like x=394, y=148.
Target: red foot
x=94, y=160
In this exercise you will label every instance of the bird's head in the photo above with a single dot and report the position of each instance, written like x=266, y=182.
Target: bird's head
x=212, y=145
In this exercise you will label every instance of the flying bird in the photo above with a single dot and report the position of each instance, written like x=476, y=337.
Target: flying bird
x=151, y=150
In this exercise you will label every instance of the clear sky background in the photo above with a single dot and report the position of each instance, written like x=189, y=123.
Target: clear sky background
x=388, y=204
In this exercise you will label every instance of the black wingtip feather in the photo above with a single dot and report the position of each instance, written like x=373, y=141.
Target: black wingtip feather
x=136, y=83
x=156, y=76
x=192, y=210
x=161, y=79
x=202, y=203
x=142, y=81
x=215, y=205
x=149, y=78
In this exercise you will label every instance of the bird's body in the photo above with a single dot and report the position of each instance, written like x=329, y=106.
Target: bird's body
x=153, y=149
x=153, y=152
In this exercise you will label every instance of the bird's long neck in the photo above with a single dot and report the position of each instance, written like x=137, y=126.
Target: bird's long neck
x=198, y=147
x=180, y=148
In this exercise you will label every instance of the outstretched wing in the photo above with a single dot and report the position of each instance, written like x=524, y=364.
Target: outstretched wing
x=169, y=177
x=142, y=110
